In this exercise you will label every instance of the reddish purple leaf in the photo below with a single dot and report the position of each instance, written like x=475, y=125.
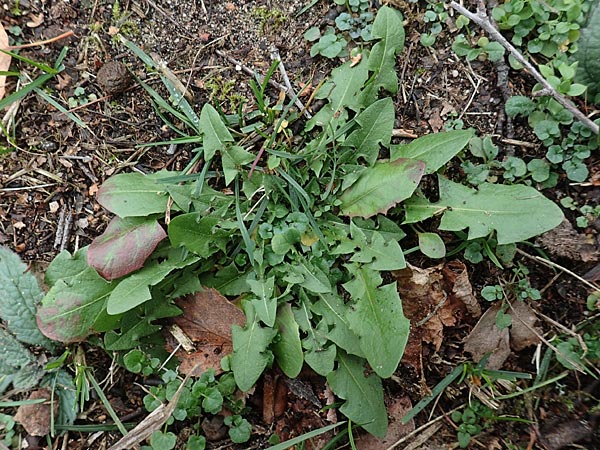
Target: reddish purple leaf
x=124, y=246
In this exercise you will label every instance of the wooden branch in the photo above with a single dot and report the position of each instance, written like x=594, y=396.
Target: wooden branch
x=483, y=21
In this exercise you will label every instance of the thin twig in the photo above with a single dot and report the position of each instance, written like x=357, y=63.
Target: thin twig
x=423, y=427
x=557, y=266
x=249, y=71
x=290, y=90
x=483, y=21
x=66, y=34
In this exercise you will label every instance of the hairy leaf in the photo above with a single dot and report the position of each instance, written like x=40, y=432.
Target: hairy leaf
x=134, y=194
x=389, y=29
x=250, y=354
x=364, y=395
x=375, y=129
x=434, y=149
x=14, y=354
x=288, y=348
x=377, y=318
x=19, y=299
x=72, y=307
x=588, y=51
x=382, y=186
x=61, y=382
x=216, y=134
x=515, y=212
x=124, y=246
x=135, y=289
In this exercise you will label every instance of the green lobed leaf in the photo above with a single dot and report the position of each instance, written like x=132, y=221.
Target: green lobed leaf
x=333, y=309
x=19, y=300
x=250, y=349
x=342, y=90
x=515, y=212
x=288, y=348
x=588, y=51
x=216, y=134
x=134, y=194
x=228, y=281
x=434, y=149
x=198, y=234
x=380, y=187
x=135, y=289
x=364, y=403
x=389, y=29
x=377, y=319
x=375, y=128
x=124, y=246
x=314, y=279
x=233, y=158
x=378, y=254
x=265, y=305
x=70, y=309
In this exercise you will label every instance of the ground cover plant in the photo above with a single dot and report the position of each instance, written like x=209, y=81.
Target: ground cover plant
x=295, y=232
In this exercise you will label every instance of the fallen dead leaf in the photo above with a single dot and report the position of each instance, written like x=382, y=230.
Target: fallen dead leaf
x=486, y=338
x=207, y=318
x=36, y=20
x=36, y=418
x=432, y=299
x=396, y=429
x=523, y=332
x=4, y=61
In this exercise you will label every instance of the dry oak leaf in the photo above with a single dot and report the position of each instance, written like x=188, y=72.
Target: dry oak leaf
x=36, y=418
x=207, y=318
x=4, y=61
x=523, y=332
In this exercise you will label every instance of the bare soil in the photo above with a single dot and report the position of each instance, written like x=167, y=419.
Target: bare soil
x=48, y=181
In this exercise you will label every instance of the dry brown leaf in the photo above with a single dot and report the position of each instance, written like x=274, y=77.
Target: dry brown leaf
x=432, y=299
x=486, y=337
x=36, y=20
x=36, y=418
x=207, y=318
x=396, y=429
x=4, y=61
x=523, y=324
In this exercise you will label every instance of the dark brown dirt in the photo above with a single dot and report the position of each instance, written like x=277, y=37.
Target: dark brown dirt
x=52, y=168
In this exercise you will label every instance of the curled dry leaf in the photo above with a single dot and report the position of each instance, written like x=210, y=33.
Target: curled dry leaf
x=207, y=318
x=486, y=338
x=4, y=61
x=36, y=418
x=432, y=299
x=523, y=332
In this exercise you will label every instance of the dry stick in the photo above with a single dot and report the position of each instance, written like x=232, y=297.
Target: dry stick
x=483, y=21
x=154, y=421
x=559, y=267
x=249, y=71
x=423, y=427
x=289, y=89
x=66, y=34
